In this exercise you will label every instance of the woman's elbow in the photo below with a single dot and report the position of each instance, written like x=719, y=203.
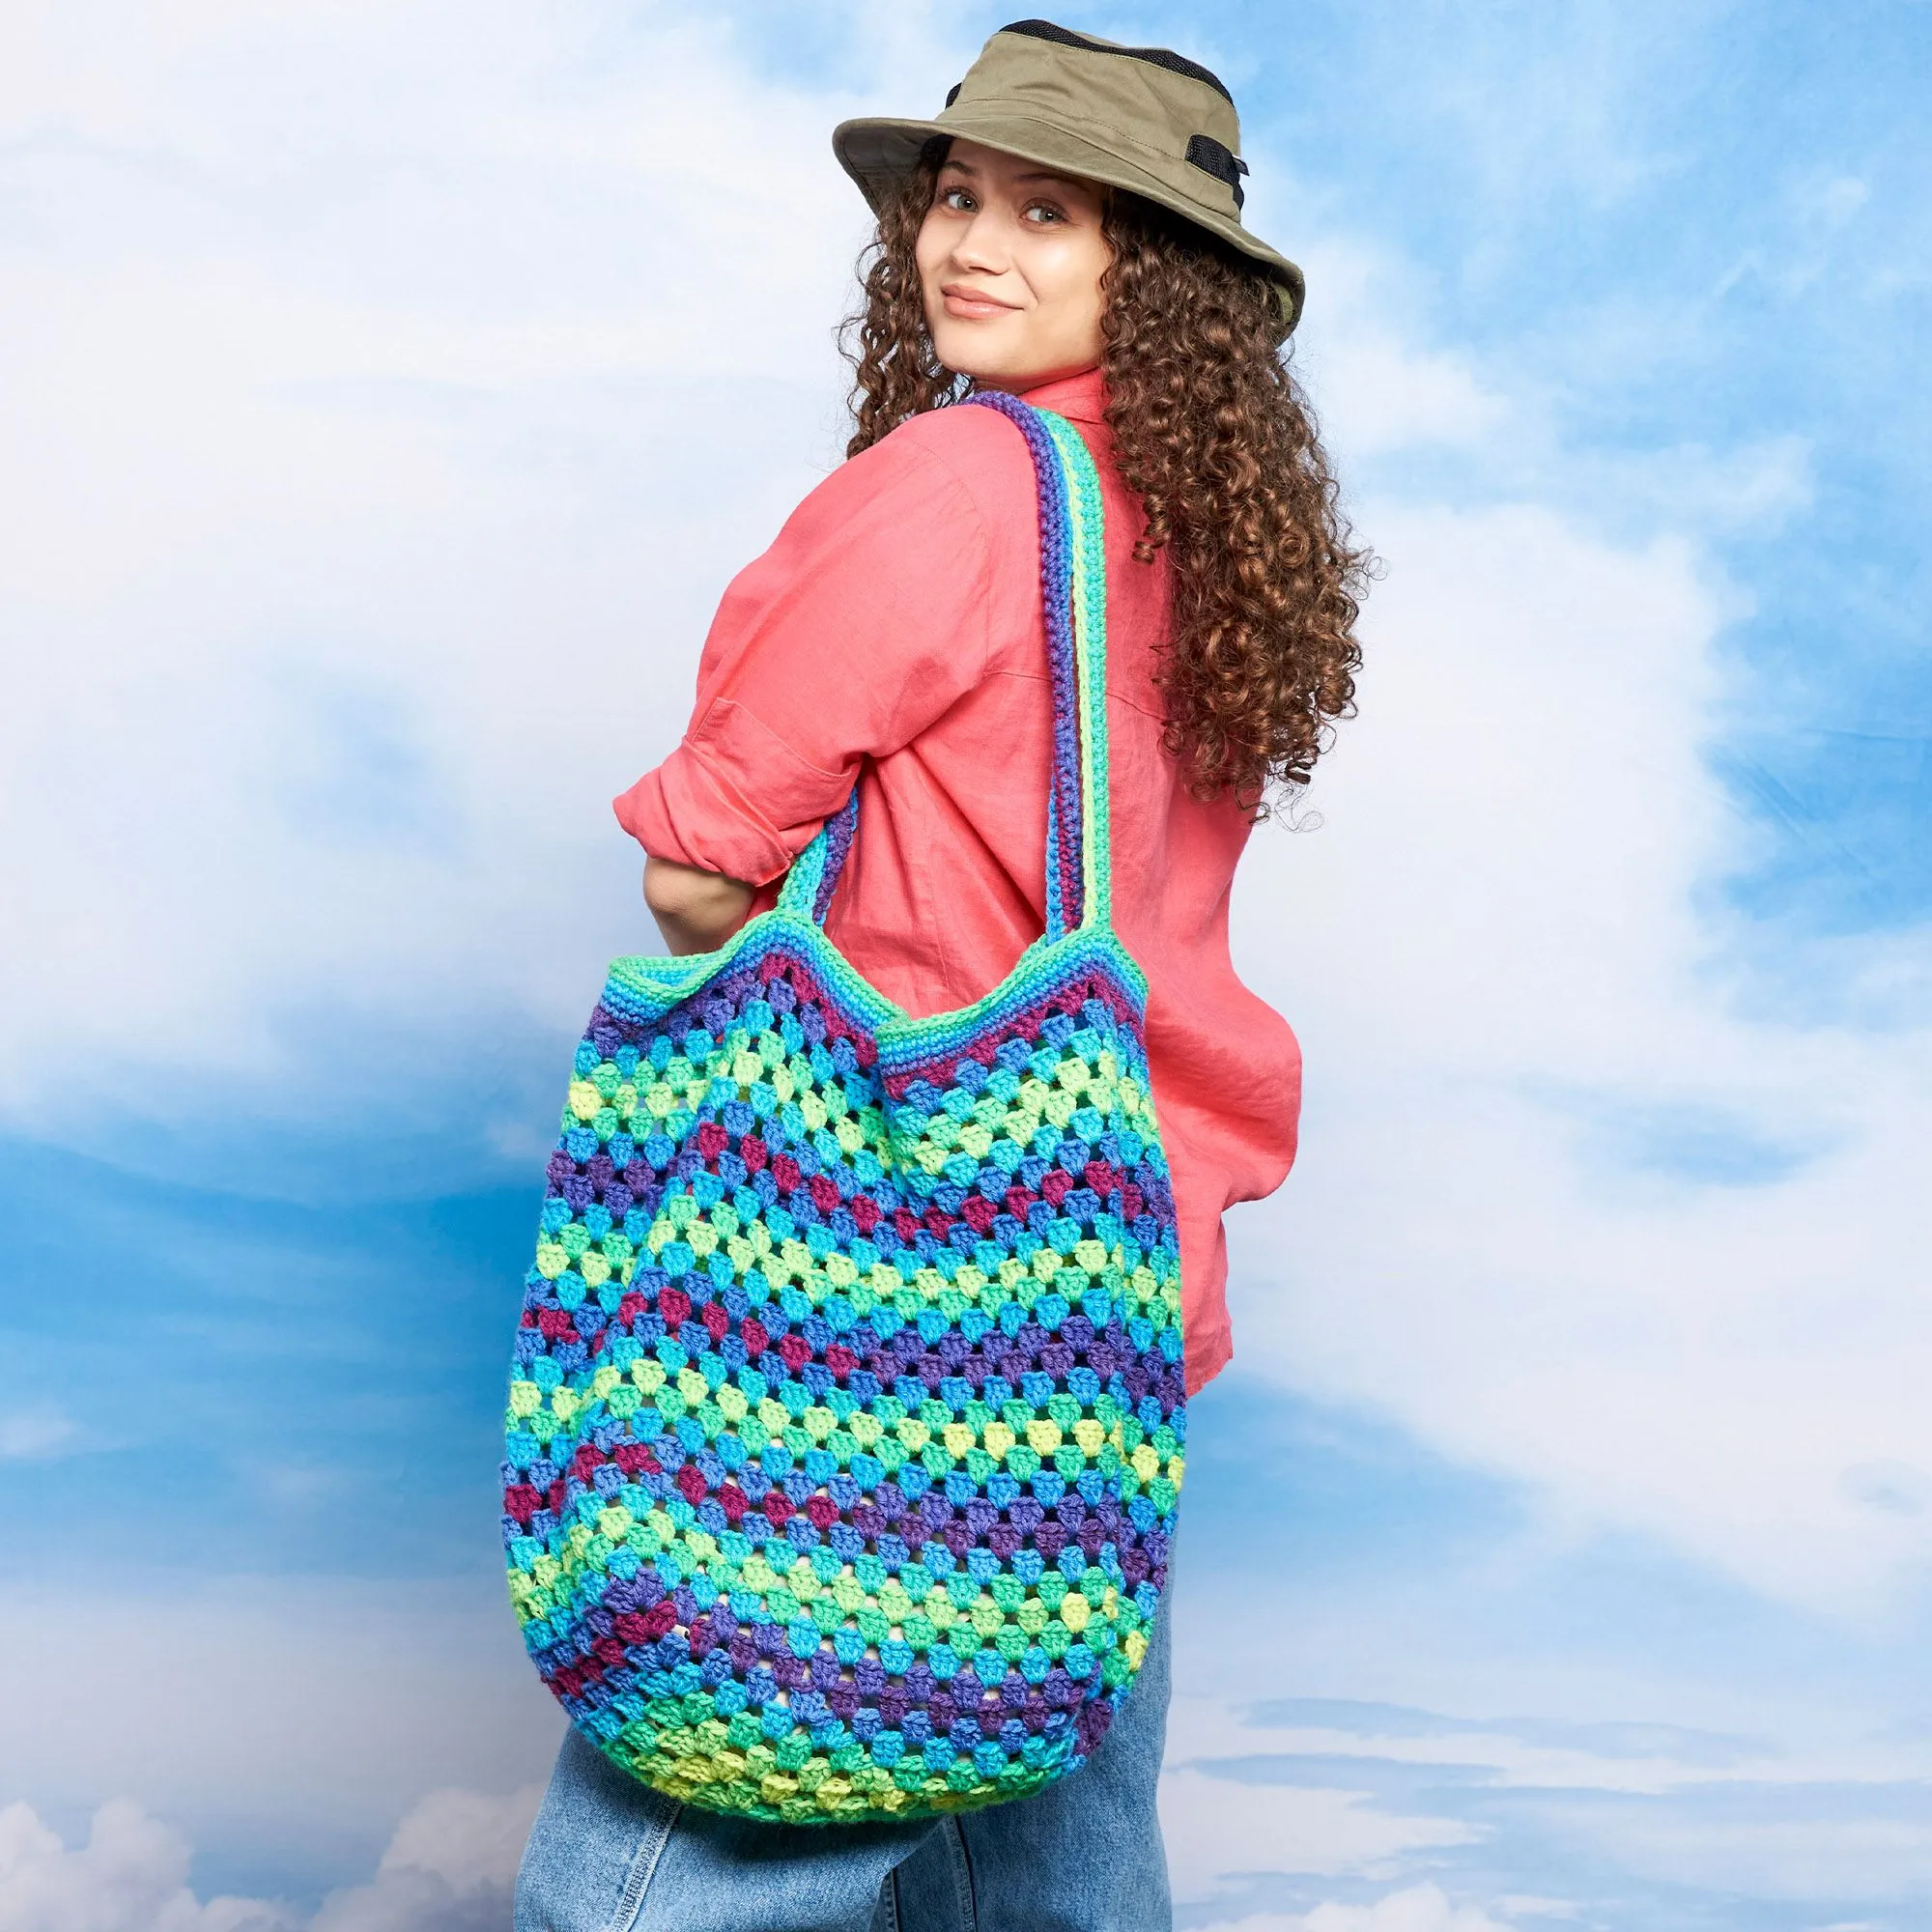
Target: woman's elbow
x=695, y=911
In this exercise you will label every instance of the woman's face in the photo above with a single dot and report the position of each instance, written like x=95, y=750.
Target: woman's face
x=1010, y=257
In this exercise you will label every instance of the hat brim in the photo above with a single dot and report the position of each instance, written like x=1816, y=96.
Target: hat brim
x=879, y=154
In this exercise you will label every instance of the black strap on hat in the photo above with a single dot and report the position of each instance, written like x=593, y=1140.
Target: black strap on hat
x=1213, y=157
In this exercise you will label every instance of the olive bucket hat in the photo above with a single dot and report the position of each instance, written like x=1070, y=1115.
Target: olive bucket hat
x=1135, y=118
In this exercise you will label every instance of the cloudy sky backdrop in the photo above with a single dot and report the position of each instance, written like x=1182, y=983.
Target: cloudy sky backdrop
x=388, y=393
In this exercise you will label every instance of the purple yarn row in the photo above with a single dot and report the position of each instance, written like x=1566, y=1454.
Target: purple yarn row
x=1056, y=571
x=839, y=830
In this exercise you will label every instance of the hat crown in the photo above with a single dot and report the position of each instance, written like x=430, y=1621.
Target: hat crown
x=1158, y=100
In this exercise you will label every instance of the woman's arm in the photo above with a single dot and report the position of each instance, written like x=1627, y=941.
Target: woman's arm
x=864, y=621
x=697, y=912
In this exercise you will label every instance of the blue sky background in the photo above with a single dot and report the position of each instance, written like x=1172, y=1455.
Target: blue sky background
x=391, y=391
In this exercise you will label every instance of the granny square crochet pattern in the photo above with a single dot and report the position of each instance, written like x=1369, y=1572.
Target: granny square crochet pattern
x=845, y=1424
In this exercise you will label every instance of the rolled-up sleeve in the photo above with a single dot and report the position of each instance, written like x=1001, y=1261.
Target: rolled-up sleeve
x=863, y=623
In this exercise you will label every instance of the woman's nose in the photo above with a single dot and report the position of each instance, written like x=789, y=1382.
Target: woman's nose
x=981, y=245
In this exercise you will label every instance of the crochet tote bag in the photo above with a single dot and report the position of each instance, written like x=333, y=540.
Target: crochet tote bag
x=845, y=1423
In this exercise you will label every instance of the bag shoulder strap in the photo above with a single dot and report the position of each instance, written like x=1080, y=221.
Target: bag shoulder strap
x=1073, y=589
x=1086, y=594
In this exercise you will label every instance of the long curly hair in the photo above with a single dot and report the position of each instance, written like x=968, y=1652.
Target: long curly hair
x=1213, y=435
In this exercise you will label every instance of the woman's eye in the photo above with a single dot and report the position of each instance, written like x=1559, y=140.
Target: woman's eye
x=955, y=198
x=1044, y=211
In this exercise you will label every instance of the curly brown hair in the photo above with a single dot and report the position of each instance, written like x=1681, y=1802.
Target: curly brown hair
x=1214, y=436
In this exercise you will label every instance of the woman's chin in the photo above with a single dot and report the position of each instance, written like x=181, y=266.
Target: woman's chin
x=997, y=372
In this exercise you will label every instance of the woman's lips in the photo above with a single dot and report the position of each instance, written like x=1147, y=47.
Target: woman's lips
x=969, y=306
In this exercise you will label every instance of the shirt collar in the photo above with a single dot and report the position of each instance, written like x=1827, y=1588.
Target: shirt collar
x=1080, y=398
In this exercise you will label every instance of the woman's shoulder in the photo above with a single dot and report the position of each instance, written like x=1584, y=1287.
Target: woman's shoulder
x=973, y=455
x=949, y=489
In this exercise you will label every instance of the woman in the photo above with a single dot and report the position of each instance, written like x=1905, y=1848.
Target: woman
x=1067, y=232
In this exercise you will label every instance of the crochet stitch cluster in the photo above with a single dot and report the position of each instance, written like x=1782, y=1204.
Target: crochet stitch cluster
x=845, y=1427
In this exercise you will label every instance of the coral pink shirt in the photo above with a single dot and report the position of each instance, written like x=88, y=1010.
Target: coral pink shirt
x=893, y=635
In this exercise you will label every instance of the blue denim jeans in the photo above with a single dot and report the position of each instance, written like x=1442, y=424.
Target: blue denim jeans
x=609, y=1855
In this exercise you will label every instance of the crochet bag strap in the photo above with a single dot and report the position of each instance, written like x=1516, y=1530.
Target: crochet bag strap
x=813, y=877
x=1074, y=587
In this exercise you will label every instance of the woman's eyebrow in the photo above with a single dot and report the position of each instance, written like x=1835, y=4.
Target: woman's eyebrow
x=1068, y=187
x=1038, y=175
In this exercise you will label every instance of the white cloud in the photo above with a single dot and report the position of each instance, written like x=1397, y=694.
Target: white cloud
x=1366, y=357
x=382, y=427
x=1499, y=941
x=33, y=1431
x=1382, y=394
x=450, y=1867
x=1823, y=1818
x=1421, y=1908
x=188, y=1707
x=1217, y=1828
x=1205, y=1728
x=130, y=1876
x=1851, y=1853
x=465, y=1838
